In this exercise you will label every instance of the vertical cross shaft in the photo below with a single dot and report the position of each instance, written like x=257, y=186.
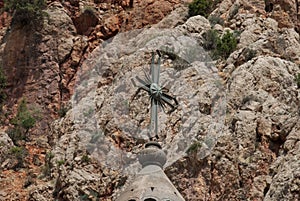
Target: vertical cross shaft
x=157, y=96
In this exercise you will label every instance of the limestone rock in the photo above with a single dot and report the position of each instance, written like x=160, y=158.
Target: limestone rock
x=253, y=155
x=285, y=170
x=197, y=24
x=42, y=193
x=260, y=125
x=59, y=20
x=263, y=36
x=82, y=130
x=262, y=111
x=175, y=18
x=34, y=56
x=85, y=22
x=5, y=145
x=285, y=12
x=274, y=121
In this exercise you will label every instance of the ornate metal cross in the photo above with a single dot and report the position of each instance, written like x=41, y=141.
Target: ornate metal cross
x=157, y=94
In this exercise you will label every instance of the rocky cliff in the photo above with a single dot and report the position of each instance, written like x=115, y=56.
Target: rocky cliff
x=234, y=136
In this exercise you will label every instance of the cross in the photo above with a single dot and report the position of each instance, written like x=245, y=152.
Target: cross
x=157, y=94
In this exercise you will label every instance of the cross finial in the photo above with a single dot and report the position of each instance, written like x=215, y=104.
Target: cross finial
x=158, y=96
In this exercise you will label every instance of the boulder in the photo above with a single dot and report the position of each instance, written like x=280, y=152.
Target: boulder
x=5, y=147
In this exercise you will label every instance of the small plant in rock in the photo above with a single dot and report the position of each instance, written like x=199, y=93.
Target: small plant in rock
x=214, y=19
x=22, y=123
x=89, y=112
x=16, y=135
x=84, y=197
x=200, y=7
x=219, y=46
x=3, y=83
x=25, y=11
x=297, y=80
x=24, y=117
x=63, y=111
x=233, y=11
x=211, y=39
x=250, y=54
x=85, y=158
x=90, y=195
x=95, y=137
x=194, y=147
x=226, y=45
x=46, y=171
x=19, y=153
x=60, y=162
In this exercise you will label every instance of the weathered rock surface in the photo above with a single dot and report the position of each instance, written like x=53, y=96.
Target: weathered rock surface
x=45, y=59
x=86, y=21
x=256, y=157
x=82, y=129
x=285, y=12
x=260, y=130
x=5, y=146
x=263, y=108
x=41, y=62
x=285, y=170
x=32, y=60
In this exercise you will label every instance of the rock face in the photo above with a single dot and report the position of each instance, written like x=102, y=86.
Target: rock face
x=45, y=59
x=256, y=154
x=41, y=62
x=239, y=168
x=86, y=22
x=285, y=183
x=34, y=64
x=5, y=145
x=285, y=12
x=235, y=134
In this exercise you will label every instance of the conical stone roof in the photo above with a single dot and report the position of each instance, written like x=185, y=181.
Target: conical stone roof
x=151, y=183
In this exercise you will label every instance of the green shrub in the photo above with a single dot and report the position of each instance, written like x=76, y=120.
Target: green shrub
x=194, y=147
x=60, y=162
x=211, y=39
x=46, y=170
x=89, y=112
x=233, y=11
x=226, y=45
x=96, y=136
x=84, y=197
x=24, y=117
x=25, y=11
x=297, y=80
x=85, y=158
x=2, y=79
x=220, y=46
x=19, y=153
x=22, y=122
x=249, y=54
x=214, y=19
x=200, y=7
x=16, y=135
x=49, y=156
x=63, y=111
x=91, y=195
